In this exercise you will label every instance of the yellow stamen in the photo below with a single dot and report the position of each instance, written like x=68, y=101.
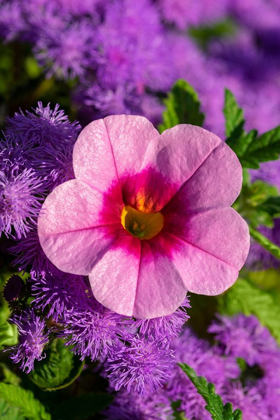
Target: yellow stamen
x=142, y=225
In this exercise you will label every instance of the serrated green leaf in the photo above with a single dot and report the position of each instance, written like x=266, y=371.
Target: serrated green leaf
x=215, y=405
x=82, y=407
x=234, y=119
x=23, y=400
x=182, y=107
x=266, y=147
x=249, y=149
x=265, y=243
x=59, y=368
x=7, y=376
x=245, y=297
x=9, y=413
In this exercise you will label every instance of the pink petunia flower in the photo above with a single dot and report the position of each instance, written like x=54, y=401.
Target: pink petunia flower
x=148, y=216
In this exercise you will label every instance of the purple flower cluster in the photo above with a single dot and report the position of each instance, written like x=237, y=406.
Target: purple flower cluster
x=243, y=364
x=35, y=156
x=32, y=338
x=125, y=53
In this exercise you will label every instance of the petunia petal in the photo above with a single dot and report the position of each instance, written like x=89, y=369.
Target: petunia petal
x=93, y=160
x=76, y=225
x=201, y=272
x=216, y=183
x=160, y=289
x=77, y=252
x=135, y=278
x=220, y=232
x=108, y=149
x=114, y=278
x=134, y=141
x=182, y=150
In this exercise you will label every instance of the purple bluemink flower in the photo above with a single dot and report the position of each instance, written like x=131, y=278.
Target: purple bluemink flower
x=12, y=23
x=44, y=125
x=32, y=339
x=131, y=405
x=185, y=13
x=243, y=336
x=13, y=288
x=28, y=253
x=92, y=330
x=20, y=202
x=65, y=53
x=57, y=292
x=164, y=329
x=248, y=399
x=14, y=154
x=46, y=138
x=83, y=7
x=141, y=366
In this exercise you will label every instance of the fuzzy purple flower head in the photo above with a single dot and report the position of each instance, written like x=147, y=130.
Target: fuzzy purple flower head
x=32, y=339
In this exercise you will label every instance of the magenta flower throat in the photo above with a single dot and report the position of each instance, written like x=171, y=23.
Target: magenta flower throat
x=148, y=216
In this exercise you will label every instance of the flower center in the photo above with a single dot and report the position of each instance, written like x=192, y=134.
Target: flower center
x=142, y=225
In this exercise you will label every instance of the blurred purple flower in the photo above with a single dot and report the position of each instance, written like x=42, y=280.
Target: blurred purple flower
x=243, y=336
x=185, y=13
x=131, y=405
x=65, y=53
x=249, y=400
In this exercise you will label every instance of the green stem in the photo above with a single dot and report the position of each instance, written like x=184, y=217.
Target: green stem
x=265, y=243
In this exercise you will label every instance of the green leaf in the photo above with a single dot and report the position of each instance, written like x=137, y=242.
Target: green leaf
x=204, y=34
x=249, y=149
x=8, y=412
x=268, y=280
x=8, y=335
x=272, y=206
x=182, y=107
x=234, y=119
x=237, y=138
x=23, y=400
x=245, y=297
x=177, y=414
x=82, y=407
x=7, y=376
x=58, y=370
x=265, y=148
x=215, y=406
x=255, y=203
x=265, y=243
